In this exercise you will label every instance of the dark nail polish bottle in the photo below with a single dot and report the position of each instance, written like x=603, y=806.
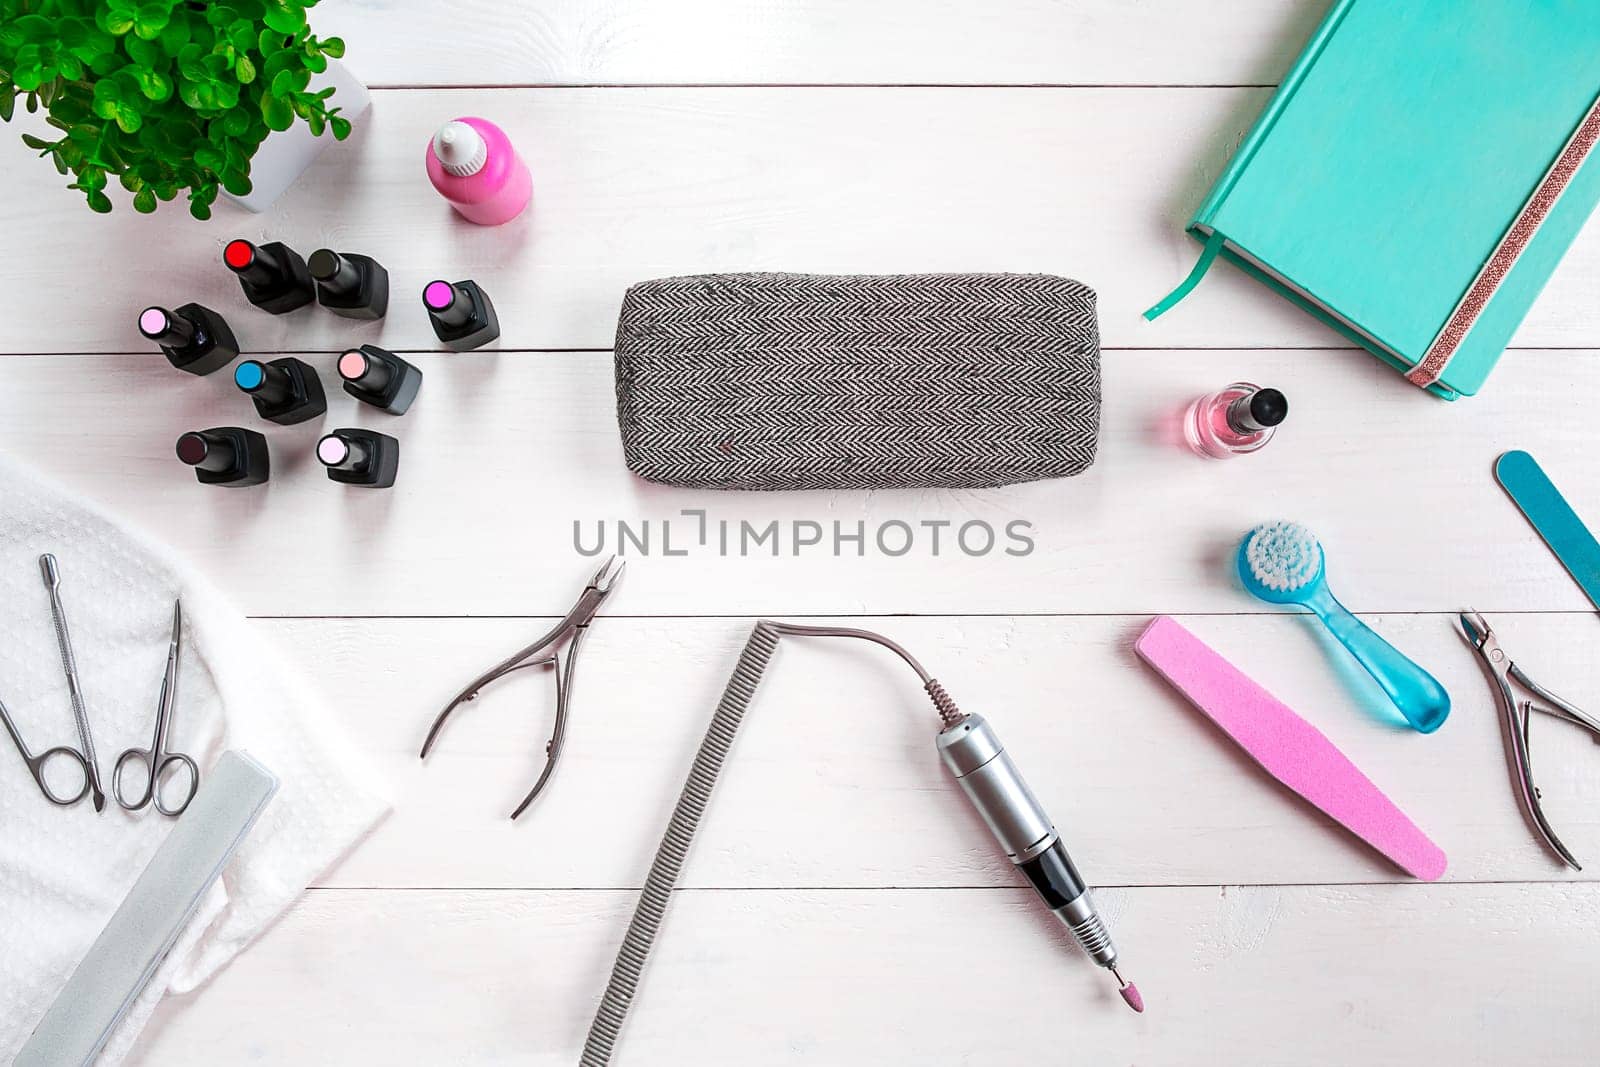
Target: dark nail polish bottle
x=226, y=455
x=461, y=314
x=285, y=391
x=273, y=276
x=360, y=457
x=378, y=377
x=194, y=338
x=356, y=287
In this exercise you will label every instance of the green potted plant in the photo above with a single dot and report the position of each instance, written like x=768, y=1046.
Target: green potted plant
x=173, y=97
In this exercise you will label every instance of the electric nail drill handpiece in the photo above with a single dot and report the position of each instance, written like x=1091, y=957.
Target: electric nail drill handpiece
x=977, y=759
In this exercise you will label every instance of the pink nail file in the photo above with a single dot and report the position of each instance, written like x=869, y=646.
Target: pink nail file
x=1287, y=746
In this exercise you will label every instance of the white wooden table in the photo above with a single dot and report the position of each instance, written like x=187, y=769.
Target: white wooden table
x=842, y=906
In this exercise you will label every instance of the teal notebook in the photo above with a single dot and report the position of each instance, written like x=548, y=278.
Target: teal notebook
x=1418, y=176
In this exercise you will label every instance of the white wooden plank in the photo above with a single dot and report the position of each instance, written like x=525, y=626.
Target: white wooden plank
x=634, y=184
x=480, y=42
x=835, y=782
x=502, y=454
x=1480, y=975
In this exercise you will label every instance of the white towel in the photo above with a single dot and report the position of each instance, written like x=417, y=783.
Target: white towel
x=63, y=871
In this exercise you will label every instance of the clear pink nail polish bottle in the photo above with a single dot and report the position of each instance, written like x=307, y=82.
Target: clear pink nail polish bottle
x=1233, y=421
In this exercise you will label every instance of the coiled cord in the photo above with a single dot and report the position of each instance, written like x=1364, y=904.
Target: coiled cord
x=674, y=847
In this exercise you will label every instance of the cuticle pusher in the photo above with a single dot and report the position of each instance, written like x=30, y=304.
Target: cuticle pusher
x=51, y=573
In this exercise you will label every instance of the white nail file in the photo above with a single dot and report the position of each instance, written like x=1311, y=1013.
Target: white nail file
x=144, y=928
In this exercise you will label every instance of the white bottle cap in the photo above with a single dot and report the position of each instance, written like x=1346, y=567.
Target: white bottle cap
x=460, y=148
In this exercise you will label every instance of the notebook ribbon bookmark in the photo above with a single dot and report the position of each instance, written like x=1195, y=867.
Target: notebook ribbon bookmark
x=1208, y=256
x=1512, y=244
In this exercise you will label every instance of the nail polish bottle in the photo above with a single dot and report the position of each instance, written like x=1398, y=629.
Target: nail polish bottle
x=356, y=287
x=285, y=391
x=472, y=163
x=378, y=377
x=273, y=276
x=461, y=314
x=194, y=338
x=1233, y=421
x=360, y=457
x=226, y=455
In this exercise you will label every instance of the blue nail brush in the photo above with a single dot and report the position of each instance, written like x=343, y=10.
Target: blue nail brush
x=1520, y=475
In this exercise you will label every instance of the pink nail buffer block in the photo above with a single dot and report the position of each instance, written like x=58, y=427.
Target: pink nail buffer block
x=1289, y=748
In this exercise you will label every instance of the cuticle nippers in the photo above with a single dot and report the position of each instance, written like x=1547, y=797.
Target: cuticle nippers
x=571, y=629
x=1515, y=715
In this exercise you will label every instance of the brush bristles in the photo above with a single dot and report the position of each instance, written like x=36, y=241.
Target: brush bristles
x=1283, y=555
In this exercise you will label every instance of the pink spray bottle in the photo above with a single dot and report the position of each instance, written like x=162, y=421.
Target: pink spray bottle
x=472, y=163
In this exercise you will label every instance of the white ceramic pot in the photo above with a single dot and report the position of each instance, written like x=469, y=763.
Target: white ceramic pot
x=286, y=153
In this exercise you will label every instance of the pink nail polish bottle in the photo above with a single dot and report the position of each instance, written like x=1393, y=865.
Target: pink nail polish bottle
x=1233, y=421
x=473, y=164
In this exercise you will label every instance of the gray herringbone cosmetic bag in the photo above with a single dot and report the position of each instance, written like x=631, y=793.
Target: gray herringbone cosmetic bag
x=809, y=381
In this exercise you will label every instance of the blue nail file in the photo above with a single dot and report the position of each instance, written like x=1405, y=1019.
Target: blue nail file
x=1520, y=475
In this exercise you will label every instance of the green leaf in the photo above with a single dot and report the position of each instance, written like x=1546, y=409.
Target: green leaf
x=92, y=180
x=285, y=17
x=73, y=32
x=175, y=36
x=107, y=98
x=95, y=47
x=69, y=67
x=38, y=143
x=129, y=119
x=113, y=21
x=189, y=62
x=189, y=93
x=105, y=63
x=339, y=126
x=144, y=201
x=332, y=47
x=60, y=160
x=8, y=102
x=28, y=78
x=209, y=158
x=99, y=202
x=199, y=210
x=236, y=183
x=153, y=84
x=143, y=52
x=150, y=19
x=277, y=113
x=236, y=122
x=35, y=28
x=316, y=62
x=221, y=15
x=318, y=122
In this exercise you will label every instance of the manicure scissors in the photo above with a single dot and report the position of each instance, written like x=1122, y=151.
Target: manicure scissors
x=544, y=652
x=36, y=764
x=1515, y=714
x=157, y=761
